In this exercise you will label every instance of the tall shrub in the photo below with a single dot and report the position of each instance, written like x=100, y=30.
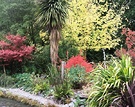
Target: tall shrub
x=78, y=68
x=14, y=50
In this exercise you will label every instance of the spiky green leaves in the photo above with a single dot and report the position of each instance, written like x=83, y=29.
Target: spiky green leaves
x=110, y=82
x=52, y=13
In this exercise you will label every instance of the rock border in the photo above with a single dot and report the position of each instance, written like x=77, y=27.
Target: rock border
x=26, y=97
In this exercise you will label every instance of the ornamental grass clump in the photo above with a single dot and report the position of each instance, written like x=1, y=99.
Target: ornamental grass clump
x=108, y=83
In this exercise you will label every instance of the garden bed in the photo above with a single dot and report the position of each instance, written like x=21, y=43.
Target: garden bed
x=36, y=100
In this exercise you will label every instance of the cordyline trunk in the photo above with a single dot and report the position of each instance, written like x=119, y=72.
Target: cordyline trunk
x=54, y=44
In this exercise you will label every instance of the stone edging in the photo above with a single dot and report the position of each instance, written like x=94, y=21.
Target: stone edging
x=25, y=97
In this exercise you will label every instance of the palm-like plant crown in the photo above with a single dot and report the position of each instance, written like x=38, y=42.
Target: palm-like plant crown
x=52, y=13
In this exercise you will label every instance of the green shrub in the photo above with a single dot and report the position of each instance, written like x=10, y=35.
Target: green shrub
x=39, y=62
x=66, y=46
x=24, y=81
x=40, y=85
x=107, y=83
x=32, y=83
x=77, y=76
x=29, y=67
x=41, y=58
x=54, y=76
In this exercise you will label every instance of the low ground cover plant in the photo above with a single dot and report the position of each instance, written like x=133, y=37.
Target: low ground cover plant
x=32, y=83
x=24, y=81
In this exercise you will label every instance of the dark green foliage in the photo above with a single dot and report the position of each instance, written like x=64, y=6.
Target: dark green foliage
x=67, y=50
x=42, y=58
x=129, y=18
x=97, y=56
x=12, y=13
x=94, y=56
x=40, y=61
x=13, y=67
x=29, y=67
x=17, y=17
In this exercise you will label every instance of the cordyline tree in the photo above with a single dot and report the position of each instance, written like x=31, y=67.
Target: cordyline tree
x=13, y=49
x=51, y=17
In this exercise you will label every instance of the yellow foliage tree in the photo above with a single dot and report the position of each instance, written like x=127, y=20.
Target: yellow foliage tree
x=92, y=26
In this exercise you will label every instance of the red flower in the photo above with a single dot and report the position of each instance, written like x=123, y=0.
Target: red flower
x=79, y=60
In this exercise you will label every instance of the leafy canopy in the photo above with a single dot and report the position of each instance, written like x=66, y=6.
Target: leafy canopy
x=92, y=26
x=14, y=49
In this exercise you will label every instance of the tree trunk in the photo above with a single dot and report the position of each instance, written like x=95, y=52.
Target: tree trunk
x=54, y=44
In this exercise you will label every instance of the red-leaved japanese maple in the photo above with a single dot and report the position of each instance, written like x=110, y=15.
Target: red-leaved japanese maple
x=78, y=60
x=130, y=44
x=14, y=49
